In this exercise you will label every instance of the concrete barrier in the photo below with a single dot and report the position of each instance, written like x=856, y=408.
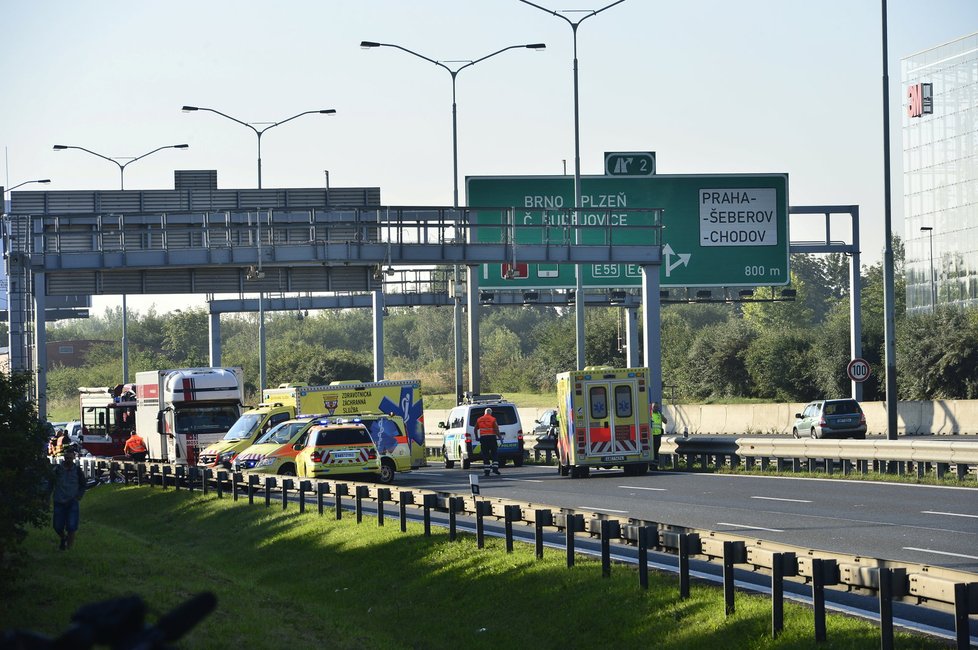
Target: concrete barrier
x=945, y=417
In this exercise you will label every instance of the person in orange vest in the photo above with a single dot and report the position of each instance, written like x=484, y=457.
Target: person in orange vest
x=135, y=447
x=488, y=430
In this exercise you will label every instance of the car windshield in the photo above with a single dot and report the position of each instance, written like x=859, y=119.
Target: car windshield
x=283, y=433
x=244, y=427
x=843, y=407
x=205, y=419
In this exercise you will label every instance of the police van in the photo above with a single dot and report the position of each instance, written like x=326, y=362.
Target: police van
x=461, y=440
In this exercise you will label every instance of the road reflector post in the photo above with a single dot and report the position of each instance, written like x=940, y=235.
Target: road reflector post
x=572, y=524
x=541, y=518
x=824, y=572
x=304, y=486
x=404, y=499
x=965, y=603
x=429, y=501
x=287, y=485
x=360, y=492
x=644, y=533
x=455, y=504
x=342, y=489
x=684, y=544
x=605, y=548
x=321, y=490
x=729, y=551
x=511, y=513
x=482, y=508
x=782, y=564
x=383, y=494
x=252, y=488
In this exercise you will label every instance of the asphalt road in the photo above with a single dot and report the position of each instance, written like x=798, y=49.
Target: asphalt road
x=909, y=523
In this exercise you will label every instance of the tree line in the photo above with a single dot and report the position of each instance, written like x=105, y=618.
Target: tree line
x=770, y=351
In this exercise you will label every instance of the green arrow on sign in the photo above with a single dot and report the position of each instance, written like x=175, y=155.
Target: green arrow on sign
x=634, y=163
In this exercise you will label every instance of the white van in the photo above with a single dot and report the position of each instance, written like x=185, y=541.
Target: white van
x=461, y=442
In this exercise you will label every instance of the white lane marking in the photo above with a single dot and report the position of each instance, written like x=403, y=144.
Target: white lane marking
x=600, y=509
x=930, y=550
x=949, y=514
x=636, y=487
x=770, y=530
x=804, y=478
x=778, y=499
x=523, y=480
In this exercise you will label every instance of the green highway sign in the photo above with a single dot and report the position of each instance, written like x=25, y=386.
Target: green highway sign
x=719, y=229
x=629, y=163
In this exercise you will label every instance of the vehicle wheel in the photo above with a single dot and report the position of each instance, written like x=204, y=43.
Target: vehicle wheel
x=502, y=462
x=518, y=462
x=466, y=462
x=449, y=463
x=563, y=470
x=387, y=471
x=794, y=431
x=814, y=433
x=287, y=470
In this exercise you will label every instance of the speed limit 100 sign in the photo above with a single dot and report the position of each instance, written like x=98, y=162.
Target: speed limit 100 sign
x=858, y=370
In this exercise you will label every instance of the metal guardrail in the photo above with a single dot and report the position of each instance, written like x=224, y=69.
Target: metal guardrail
x=845, y=456
x=916, y=584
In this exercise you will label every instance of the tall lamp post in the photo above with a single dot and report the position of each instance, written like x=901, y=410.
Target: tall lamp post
x=258, y=132
x=259, y=274
x=579, y=289
x=11, y=189
x=454, y=74
x=933, y=280
x=122, y=186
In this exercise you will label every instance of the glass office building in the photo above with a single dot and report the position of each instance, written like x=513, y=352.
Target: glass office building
x=940, y=175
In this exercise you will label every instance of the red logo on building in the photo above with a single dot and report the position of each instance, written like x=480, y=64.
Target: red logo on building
x=920, y=100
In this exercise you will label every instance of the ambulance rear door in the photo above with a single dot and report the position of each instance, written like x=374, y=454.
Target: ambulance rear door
x=612, y=418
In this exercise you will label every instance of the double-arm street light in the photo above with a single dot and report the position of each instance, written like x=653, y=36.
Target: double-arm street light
x=933, y=280
x=579, y=291
x=121, y=166
x=11, y=189
x=258, y=274
x=258, y=132
x=453, y=72
x=122, y=186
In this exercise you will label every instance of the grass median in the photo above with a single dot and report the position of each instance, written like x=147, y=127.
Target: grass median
x=288, y=579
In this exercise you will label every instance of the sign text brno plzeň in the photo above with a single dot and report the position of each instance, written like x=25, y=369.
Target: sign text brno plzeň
x=719, y=229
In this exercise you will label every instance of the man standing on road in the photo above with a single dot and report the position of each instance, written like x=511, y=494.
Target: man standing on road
x=68, y=487
x=488, y=431
x=657, y=420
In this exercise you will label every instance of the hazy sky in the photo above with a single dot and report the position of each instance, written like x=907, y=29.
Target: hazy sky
x=712, y=86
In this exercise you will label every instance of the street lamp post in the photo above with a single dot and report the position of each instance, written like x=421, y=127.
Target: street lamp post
x=11, y=189
x=121, y=166
x=579, y=289
x=122, y=186
x=258, y=134
x=933, y=280
x=454, y=75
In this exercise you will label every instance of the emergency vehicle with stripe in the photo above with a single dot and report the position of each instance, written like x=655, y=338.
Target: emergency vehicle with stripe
x=603, y=420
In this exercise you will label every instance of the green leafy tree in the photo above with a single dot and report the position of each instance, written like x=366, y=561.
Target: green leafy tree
x=782, y=364
x=715, y=364
x=24, y=472
x=340, y=365
x=783, y=314
x=937, y=355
